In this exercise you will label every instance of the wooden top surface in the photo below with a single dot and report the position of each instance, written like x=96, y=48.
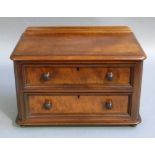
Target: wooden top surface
x=78, y=43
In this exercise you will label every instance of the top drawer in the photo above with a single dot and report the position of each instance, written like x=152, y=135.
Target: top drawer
x=60, y=76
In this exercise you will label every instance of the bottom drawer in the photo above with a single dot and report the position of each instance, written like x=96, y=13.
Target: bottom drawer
x=71, y=104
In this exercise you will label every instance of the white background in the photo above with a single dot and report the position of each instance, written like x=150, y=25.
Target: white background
x=10, y=31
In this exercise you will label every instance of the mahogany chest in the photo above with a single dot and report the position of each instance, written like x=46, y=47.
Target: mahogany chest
x=78, y=76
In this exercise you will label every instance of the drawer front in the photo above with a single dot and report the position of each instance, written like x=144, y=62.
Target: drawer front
x=62, y=76
x=76, y=104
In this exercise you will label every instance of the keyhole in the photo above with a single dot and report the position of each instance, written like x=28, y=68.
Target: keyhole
x=77, y=68
x=78, y=96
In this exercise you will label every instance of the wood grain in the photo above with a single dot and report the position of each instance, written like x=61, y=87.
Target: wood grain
x=78, y=60
x=76, y=75
x=78, y=43
x=77, y=104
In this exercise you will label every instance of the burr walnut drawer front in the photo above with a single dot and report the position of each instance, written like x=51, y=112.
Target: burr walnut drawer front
x=76, y=104
x=46, y=76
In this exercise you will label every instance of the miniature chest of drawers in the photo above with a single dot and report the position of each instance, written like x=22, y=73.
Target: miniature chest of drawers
x=78, y=76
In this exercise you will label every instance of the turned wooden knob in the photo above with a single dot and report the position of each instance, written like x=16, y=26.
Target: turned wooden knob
x=109, y=76
x=46, y=76
x=109, y=105
x=47, y=105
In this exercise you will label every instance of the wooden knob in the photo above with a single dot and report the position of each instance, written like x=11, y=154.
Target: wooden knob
x=46, y=76
x=109, y=76
x=47, y=105
x=109, y=105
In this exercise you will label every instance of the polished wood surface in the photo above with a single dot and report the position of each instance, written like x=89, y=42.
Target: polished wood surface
x=77, y=104
x=78, y=43
x=78, y=76
x=75, y=75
